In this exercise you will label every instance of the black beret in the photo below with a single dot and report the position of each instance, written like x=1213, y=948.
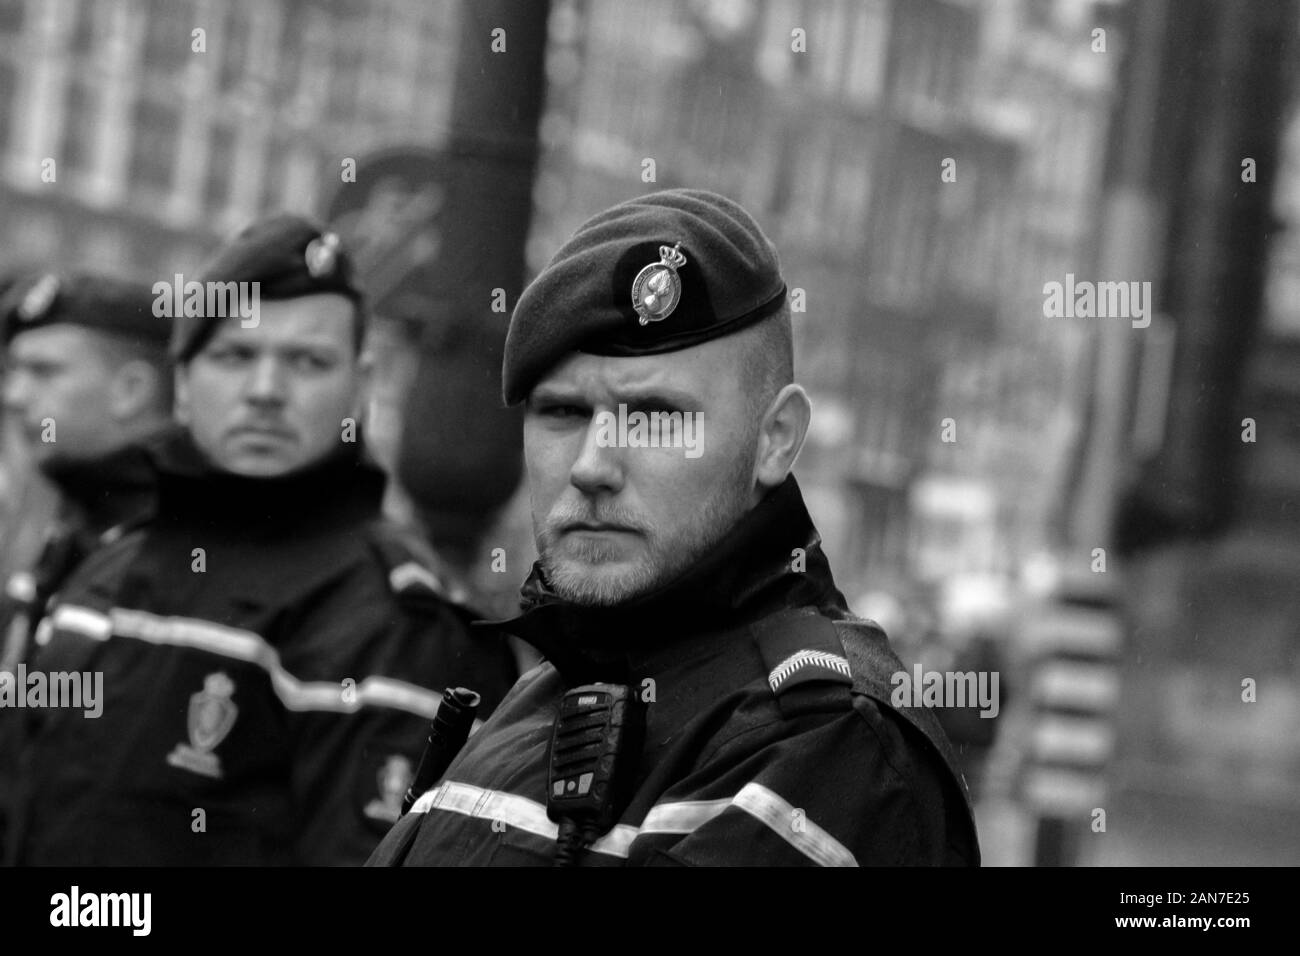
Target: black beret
x=99, y=302
x=289, y=256
x=658, y=273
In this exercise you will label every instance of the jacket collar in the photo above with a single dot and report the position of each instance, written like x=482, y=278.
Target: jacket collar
x=342, y=488
x=99, y=493
x=747, y=576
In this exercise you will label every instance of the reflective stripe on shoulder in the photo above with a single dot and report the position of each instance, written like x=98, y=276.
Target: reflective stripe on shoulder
x=679, y=817
x=252, y=648
x=808, y=838
x=411, y=573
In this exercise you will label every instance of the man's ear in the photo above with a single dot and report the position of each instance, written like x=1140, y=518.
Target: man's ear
x=181, y=383
x=133, y=391
x=781, y=435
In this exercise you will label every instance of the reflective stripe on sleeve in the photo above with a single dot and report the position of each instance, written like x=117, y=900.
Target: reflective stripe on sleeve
x=679, y=817
x=252, y=648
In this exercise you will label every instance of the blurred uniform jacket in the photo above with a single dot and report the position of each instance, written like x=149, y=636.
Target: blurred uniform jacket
x=770, y=739
x=98, y=499
x=269, y=650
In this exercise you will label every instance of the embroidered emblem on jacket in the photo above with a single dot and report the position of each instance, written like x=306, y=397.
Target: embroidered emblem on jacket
x=211, y=716
x=803, y=659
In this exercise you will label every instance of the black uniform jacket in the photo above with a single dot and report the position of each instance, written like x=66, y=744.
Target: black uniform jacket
x=270, y=651
x=98, y=499
x=769, y=738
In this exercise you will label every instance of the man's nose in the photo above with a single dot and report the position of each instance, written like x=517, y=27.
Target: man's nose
x=17, y=391
x=598, y=468
x=266, y=383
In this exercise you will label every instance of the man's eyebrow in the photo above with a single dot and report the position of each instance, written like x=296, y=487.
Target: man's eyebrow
x=658, y=398
x=544, y=394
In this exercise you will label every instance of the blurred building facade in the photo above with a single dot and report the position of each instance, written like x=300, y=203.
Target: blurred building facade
x=165, y=140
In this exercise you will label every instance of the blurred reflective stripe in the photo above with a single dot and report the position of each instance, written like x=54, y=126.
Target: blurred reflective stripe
x=809, y=839
x=1077, y=685
x=1063, y=791
x=1075, y=630
x=1073, y=740
x=81, y=620
x=681, y=817
x=251, y=648
x=21, y=586
x=404, y=575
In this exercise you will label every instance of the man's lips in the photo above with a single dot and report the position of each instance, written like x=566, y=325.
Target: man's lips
x=592, y=527
x=261, y=431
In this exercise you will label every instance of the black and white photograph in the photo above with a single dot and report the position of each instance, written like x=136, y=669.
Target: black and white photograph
x=622, y=433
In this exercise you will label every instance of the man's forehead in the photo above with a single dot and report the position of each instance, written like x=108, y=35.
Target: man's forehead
x=57, y=337
x=671, y=373
x=317, y=319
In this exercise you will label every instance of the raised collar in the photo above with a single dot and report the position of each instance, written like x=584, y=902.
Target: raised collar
x=99, y=493
x=754, y=571
x=342, y=488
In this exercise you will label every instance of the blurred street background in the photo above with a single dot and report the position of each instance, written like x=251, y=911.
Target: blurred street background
x=1106, y=513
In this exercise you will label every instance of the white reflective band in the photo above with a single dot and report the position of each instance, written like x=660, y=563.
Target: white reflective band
x=684, y=816
x=404, y=575
x=252, y=648
x=808, y=838
x=82, y=621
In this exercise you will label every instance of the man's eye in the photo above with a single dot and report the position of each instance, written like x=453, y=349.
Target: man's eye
x=563, y=411
x=309, y=362
x=229, y=355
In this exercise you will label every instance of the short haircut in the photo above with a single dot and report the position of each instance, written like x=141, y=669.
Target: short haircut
x=767, y=365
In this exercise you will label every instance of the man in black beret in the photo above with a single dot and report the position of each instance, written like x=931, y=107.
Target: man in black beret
x=271, y=647
x=86, y=376
x=707, y=698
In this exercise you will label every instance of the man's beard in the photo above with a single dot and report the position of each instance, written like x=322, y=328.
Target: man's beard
x=664, y=559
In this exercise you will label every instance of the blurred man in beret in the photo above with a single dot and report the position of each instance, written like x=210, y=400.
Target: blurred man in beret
x=86, y=376
x=271, y=648
x=706, y=698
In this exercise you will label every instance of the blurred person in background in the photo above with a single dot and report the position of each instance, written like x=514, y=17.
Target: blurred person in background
x=270, y=645
x=86, y=375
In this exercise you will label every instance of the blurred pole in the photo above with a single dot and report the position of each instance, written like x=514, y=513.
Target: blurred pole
x=460, y=455
x=1221, y=102
x=1127, y=250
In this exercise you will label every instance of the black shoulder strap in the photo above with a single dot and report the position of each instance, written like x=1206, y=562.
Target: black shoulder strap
x=812, y=641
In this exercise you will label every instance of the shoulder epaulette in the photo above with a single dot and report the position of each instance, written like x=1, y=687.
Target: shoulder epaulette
x=801, y=647
x=413, y=568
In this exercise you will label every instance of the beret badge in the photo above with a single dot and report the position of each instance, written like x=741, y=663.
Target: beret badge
x=322, y=255
x=39, y=298
x=657, y=289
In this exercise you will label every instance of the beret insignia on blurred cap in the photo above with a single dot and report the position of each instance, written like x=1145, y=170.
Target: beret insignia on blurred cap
x=322, y=255
x=36, y=303
x=580, y=303
x=285, y=256
x=656, y=290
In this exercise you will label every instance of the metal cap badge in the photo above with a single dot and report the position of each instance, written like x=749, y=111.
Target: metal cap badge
x=657, y=289
x=321, y=254
x=39, y=298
